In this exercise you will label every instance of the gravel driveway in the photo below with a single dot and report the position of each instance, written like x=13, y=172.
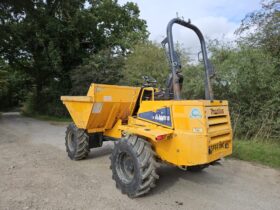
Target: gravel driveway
x=37, y=174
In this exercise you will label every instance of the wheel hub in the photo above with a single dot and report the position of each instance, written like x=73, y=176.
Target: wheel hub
x=71, y=142
x=126, y=167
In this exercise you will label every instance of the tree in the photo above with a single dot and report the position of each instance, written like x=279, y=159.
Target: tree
x=103, y=68
x=149, y=59
x=13, y=86
x=48, y=39
x=250, y=80
x=262, y=28
x=3, y=82
x=3, y=78
x=145, y=59
x=260, y=36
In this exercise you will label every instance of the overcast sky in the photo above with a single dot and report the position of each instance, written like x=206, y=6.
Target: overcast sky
x=216, y=18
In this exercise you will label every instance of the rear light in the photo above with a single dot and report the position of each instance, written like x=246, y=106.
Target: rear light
x=160, y=137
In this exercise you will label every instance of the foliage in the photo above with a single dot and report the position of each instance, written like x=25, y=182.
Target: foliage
x=13, y=87
x=193, y=86
x=249, y=74
x=56, y=47
x=3, y=78
x=3, y=82
x=103, y=67
x=262, y=28
x=48, y=39
x=145, y=59
x=149, y=59
x=250, y=80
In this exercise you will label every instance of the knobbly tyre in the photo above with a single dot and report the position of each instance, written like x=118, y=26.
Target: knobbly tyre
x=150, y=125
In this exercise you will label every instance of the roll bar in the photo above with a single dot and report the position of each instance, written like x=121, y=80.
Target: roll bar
x=174, y=60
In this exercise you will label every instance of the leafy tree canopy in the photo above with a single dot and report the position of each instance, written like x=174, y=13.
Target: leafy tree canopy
x=262, y=27
x=47, y=39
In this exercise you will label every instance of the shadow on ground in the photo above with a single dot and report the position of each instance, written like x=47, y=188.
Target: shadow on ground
x=97, y=153
x=169, y=174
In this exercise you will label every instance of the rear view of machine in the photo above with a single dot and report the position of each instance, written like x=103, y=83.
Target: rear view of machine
x=150, y=126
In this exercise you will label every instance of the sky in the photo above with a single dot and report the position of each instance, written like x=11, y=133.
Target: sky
x=215, y=18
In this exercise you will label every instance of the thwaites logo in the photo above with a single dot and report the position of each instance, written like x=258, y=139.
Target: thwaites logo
x=217, y=111
x=161, y=116
x=195, y=113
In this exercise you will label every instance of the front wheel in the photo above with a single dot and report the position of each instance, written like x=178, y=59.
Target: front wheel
x=76, y=142
x=134, y=166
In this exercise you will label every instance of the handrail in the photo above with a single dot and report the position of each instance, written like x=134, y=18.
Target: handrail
x=175, y=79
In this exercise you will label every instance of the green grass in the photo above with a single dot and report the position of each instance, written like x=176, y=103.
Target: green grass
x=47, y=118
x=267, y=153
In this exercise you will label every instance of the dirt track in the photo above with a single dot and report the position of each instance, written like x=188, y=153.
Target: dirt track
x=36, y=174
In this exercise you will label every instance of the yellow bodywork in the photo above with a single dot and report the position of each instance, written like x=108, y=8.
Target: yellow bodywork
x=103, y=106
x=196, y=131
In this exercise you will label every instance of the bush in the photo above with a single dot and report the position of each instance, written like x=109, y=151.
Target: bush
x=250, y=80
x=47, y=104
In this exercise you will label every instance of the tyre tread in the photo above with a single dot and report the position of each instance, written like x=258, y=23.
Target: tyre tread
x=147, y=163
x=82, y=149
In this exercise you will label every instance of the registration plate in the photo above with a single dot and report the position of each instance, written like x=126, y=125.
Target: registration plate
x=218, y=146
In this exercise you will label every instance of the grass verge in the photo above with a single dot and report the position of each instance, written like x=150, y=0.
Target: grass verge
x=267, y=153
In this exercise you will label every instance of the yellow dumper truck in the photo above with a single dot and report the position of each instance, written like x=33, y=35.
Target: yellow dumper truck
x=150, y=125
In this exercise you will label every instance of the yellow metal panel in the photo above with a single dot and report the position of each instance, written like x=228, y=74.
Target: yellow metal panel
x=103, y=106
x=226, y=136
x=115, y=132
x=77, y=98
x=192, y=149
x=218, y=127
x=213, y=121
x=113, y=93
x=79, y=112
x=139, y=127
x=116, y=102
x=215, y=103
x=96, y=130
x=186, y=149
x=183, y=120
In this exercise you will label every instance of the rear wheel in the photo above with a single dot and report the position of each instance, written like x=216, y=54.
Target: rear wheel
x=76, y=142
x=134, y=166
